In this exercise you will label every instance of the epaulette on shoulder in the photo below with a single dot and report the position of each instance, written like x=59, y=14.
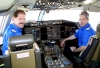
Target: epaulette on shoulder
x=13, y=30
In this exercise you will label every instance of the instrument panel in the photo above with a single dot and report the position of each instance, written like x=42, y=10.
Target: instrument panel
x=53, y=32
x=46, y=30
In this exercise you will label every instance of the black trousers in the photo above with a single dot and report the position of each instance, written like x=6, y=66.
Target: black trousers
x=69, y=54
x=67, y=51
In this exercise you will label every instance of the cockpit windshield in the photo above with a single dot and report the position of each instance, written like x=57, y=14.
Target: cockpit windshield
x=70, y=15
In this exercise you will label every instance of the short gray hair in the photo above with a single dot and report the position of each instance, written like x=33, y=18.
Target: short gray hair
x=85, y=14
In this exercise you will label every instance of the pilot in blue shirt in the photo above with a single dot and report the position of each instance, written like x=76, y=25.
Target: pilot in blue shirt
x=84, y=34
x=13, y=29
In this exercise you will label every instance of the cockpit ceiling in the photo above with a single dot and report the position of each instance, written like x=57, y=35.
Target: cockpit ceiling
x=6, y=4
x=94, y=7
x=49, y=4
x=54, y=4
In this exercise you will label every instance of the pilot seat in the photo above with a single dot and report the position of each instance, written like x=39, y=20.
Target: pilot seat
x=22, y=53
x=90, y=57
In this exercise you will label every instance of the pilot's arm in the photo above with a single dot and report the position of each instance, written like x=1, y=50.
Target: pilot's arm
x=80, y=49
x=5, y=42
x=84, y=40
x=69, y=38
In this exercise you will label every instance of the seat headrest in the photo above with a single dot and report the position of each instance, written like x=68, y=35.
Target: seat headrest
x=98, y=30
x=20, y=41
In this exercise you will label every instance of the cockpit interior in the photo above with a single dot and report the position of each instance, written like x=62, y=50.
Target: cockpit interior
x=48, y=34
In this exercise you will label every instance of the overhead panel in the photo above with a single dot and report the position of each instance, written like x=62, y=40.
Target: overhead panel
x=45, y=4
x=48, y=4
x=52, y=4
x=56, y=4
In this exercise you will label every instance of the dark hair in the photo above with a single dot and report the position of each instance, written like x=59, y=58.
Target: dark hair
x=85, y=14
x=18, y=12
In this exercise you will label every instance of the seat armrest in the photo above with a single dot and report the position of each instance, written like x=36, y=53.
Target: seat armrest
x=7, y=61
x=78, y=59
x=1, y=59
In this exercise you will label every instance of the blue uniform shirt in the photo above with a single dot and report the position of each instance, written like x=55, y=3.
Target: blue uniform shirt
x=11, y=30
x=84, y=34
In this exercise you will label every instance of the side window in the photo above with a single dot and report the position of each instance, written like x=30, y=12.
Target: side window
x=94, y=19
x=1, y=40
x=3, y=24
x=1, y=20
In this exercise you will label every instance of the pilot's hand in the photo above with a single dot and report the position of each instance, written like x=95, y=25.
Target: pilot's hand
x=62, y=43
x=36, y=46
x=6, y=52
x=72, y=48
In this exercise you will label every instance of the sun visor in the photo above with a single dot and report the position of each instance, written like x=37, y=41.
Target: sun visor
x=6, y=4
x=26, y=1
x=94, y=7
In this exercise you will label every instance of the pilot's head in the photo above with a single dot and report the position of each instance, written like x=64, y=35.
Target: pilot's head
x=84, y=17
x=19, y=18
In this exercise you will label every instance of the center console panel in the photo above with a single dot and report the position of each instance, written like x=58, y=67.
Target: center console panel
x=54, y=57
